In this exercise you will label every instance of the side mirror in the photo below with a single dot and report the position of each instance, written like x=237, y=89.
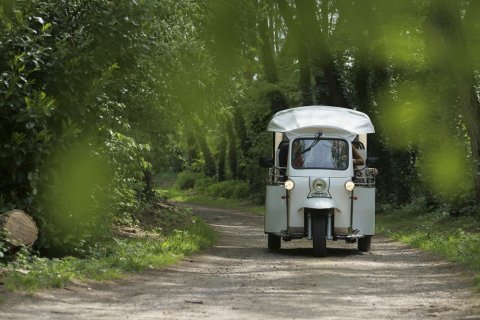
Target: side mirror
x=371, y=161
x=265, y=162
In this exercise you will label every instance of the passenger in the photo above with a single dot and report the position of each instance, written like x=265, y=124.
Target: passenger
x=357, y=158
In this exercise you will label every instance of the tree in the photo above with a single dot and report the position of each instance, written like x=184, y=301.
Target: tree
x=451, y=60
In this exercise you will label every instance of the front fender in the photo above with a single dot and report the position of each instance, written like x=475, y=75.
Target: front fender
x=321, y=203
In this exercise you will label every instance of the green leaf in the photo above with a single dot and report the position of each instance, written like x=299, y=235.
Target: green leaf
x=46, y=26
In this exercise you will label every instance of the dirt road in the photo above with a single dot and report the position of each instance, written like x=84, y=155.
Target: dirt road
x=240, y=279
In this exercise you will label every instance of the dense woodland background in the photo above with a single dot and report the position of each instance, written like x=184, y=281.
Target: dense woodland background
x=100, y=99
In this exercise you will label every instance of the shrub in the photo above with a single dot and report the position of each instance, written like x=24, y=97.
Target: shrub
x=187, y=179
x=222, y=189
x=241, y=190
x=202, y=183
x=229, y=189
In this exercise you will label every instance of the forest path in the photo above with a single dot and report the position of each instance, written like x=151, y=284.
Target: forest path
x=239, y=278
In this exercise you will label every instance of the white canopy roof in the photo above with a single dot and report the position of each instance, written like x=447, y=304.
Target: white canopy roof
x=321, y=118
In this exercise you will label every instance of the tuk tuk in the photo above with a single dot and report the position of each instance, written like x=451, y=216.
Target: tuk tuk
x=319, y=186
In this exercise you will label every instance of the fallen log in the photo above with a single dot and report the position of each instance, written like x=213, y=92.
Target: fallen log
x=18, y=228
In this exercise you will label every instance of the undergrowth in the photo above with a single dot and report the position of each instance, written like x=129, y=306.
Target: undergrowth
x=113, y=258
x=454, y=238
x=196, y=197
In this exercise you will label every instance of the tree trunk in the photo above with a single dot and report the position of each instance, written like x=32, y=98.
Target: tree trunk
x=241, y=130
x=207, y=154
x=277, y=99
x=305, y=84
x=321, y=57
x=18, y=228
x=222, y=153
x=232, y=150
x=149, y=179
x=268, y=59
x=191, y=149
x=450, y=57
x=324, y=13
x=321, y=89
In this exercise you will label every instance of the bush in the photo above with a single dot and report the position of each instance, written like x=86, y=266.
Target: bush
x=202, y=183
x=229, y=189
x=236, y=189
x=187, y=179
x=242, y=190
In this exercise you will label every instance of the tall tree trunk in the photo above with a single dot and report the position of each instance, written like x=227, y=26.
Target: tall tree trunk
x=207, y=154
x=277, y=99
x=305, y=83
x=191, y=149
x=362, y=75
x=222, y=154
x=322, y=96
x=149, y=179
x=306, y=28
x=450, y=57
x=320, y=55
x=268, y=57
x=232, y=150
x=324, y=13
x=241, y=130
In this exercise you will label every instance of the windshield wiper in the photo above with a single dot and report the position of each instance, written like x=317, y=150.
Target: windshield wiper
x=314, y=143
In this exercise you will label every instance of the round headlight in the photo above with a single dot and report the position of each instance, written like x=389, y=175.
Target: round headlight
x=319, y=185
x=349, y=185
x=289, y=185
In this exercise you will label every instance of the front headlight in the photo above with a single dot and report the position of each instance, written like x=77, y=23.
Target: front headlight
x=349, y=185
x=289, y=185
x=319, y=185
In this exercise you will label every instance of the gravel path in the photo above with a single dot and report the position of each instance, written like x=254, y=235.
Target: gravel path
x=240, y=279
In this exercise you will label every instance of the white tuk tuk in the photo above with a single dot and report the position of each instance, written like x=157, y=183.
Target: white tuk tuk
x=319, y=186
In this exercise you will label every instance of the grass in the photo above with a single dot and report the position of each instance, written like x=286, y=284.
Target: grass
x=456, y=239
x=191, y=196
x=109, y=260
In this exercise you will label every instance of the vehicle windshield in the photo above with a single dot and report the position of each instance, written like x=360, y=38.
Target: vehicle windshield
x=323, y=154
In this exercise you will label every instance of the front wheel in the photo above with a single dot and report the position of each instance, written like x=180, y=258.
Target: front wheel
x=274, y=242
x=364, y=244
x=319, y=230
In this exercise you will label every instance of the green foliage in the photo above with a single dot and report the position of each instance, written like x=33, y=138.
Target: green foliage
x=85, y=89
x=111, y=259
x=182, y=85
x=187, y=179
x=191, y=196
x=229, y=189
x=435, y=231
x=235, y=189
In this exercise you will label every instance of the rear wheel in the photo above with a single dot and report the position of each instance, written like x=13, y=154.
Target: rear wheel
x=319, y=230
x=274, y=242
x=364, y=244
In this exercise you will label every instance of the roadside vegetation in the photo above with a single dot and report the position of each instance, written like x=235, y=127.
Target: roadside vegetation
x=434, y=230
x=161, y=235
x=192, y=187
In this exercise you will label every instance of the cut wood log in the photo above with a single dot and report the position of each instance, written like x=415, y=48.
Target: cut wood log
x=19, y=228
